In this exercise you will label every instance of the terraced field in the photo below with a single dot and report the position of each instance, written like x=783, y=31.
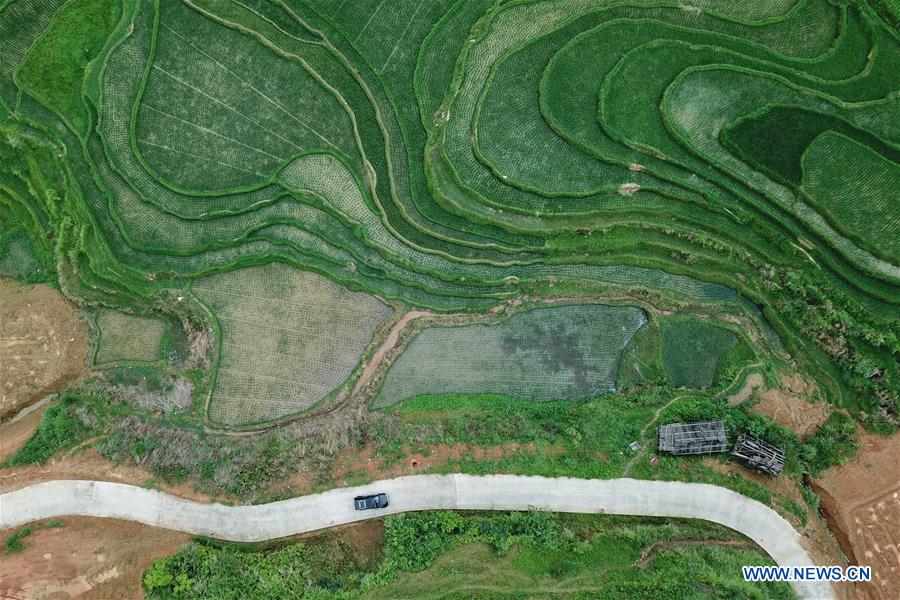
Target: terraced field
x=457, y=154
x=564, y=353
x=289, y=338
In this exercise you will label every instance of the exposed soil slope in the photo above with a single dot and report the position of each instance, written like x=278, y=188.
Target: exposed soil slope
x=43, y=344
x=861, y=499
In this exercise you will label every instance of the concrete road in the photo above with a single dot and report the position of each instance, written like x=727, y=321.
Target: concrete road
x=421, y=492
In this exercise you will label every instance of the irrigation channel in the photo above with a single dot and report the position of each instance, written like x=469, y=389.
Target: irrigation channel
x=261, y=522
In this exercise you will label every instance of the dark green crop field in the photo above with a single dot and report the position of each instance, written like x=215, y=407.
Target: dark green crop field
x=460, y=157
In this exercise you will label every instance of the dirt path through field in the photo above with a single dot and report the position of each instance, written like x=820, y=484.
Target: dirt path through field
x=393, y=337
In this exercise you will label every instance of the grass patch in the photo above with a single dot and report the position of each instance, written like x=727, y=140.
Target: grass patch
x=126, y=337
x=642, y=358
x=832, y=444
x=22, y=260
x=53, y=68
x=62, y=426
x=14, y=543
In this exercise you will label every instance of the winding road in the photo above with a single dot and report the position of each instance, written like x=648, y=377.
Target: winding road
x=421, y=492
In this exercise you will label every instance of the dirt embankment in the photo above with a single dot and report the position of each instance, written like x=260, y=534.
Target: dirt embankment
x=795, y=405
x=85, y=558
x=861, y=500
x=43, y=344
x=87, y=463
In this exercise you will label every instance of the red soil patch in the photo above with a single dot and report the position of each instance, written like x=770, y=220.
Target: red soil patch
x=861, y=500
x=88, y=464
x=792, y=405
x=43, y=344
x=85, y=558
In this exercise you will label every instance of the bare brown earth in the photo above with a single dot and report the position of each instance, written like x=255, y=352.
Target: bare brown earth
x=43, y=344
x=85, y=558
x=794, y=405
x=86, y=463
x=861, y=500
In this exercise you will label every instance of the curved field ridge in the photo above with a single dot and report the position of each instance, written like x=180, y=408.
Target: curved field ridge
x=420, y=492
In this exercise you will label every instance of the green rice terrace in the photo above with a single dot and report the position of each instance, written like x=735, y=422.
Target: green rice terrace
x=301, y=229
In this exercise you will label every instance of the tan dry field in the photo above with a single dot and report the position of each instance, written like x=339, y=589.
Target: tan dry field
x=85, y=558
x=861, y=499
x=43, y=344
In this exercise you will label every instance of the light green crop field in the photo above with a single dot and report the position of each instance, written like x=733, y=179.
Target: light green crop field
x=560, y=353
x=288, y=339
x=127, y=337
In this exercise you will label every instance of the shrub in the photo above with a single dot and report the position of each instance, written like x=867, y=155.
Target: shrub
x=61, y=428
x=832, y=444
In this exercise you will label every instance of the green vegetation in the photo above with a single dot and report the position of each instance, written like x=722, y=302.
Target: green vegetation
x=125, y=337
x=853, y=187
x=782, y=155
x=175, y=345
x=560, y=353
x=642, y=358
x=692, y=349
x=501, y=554
x=833, y=443
x=288, y=340
x=60, y=429
x=456, y=157
x=53, y=69
x=18, y=259
x=13, y=543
